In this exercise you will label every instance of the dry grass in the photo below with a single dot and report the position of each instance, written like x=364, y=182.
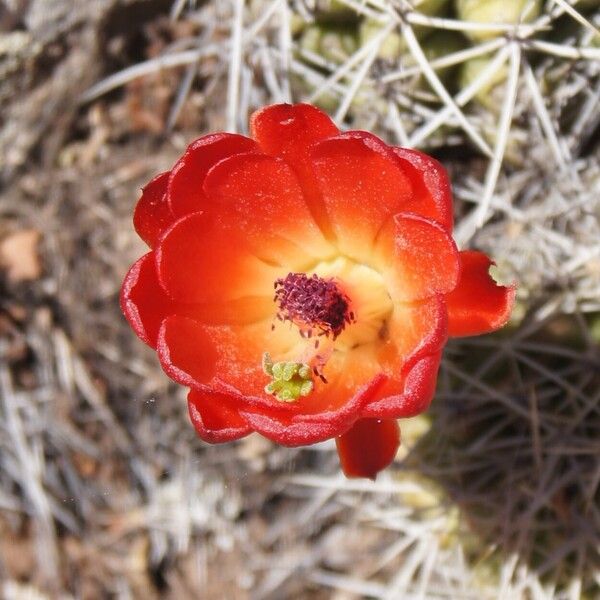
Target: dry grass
x=104, y=488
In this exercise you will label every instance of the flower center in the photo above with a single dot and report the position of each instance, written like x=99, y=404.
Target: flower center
x=315, y=304
x=343, y=305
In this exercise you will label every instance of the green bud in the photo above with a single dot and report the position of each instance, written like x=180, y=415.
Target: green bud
x=297, y=24
x=496, y=11
x=311, y=39
x=333, y=42
x=338, y=44
x=335, y=12
x=441, y=43
x=392, y=46
x=472, y=68
x=431, y=8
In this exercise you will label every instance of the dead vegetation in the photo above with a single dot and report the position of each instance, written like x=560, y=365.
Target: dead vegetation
x=104, y=489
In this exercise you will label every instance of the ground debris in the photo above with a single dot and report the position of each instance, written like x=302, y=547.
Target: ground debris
x=104, y=488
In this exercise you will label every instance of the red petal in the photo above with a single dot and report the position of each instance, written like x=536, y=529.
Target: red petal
x=185, y=351
x=417, y=257
x=368, y=447
x=432, y=197
x=152, y=214
x=290, y=131
x=478, y=304
x=410, y=358
x=221, y=356
x=228, y=360
x=262, y=196
x=292, y=434
x=362, y=186
x=298, y=429
x=215, y=417
x=413, y=331
x=143, y=301
x=201, y=259
x=185, y=191
x=287, y=130
x=410, y=397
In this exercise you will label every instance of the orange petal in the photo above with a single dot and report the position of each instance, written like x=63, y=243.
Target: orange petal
x=417, y=257
x=348, y=374
x=216, y=417
x=362, y=185
x=478, y=304
x=368, y=447
x=229, y=359
x=432, y=193
x=185, y=193
x=223, y=357
x=153, y=215
x=143, y=301
x=290, y=131
x=262, y=196
x=201, y=259
x=145, y=304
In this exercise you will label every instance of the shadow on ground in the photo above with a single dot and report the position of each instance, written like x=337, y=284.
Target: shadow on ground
x=514, y=442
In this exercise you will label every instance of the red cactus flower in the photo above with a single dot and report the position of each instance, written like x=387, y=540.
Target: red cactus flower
x=303, y=283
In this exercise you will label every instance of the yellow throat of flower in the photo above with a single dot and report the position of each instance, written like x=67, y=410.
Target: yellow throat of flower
x=336, y=307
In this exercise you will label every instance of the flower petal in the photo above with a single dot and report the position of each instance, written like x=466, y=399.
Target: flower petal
x=432, y=197
x=407, y=397
x=201, y=259
x=184, y=351
x=185, y=192
x=417, y=258
x=152, y=215
x=143, y=301
x=222, y=357
x=297, y=429
x=478, y=304
x=413, y=331
x=289, y=132
x=215, y=417
x=228, y=360
x=368, y=447
x=288, y=433
x=262, y=196
x=362, y=185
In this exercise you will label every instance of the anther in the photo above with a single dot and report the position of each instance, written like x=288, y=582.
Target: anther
x=314, y=304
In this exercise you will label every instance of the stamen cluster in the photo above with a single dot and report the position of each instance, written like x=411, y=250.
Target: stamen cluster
x=313, y=303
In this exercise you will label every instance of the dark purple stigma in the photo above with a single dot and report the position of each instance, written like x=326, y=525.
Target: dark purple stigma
x=314, y=304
